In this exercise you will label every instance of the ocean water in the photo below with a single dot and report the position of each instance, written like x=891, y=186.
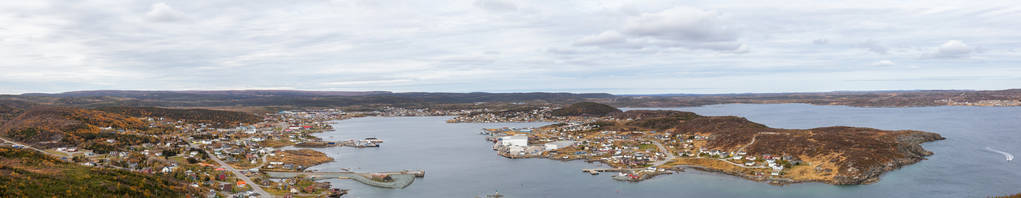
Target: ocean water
x=459, y=162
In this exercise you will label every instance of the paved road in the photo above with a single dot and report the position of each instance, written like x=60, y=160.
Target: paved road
x=662, y=149
x=671, y=156
x=33, y=148
x=255, y=186
x=399, y=180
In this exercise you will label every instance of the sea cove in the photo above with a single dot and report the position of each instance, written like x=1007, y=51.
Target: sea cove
x=459, y=162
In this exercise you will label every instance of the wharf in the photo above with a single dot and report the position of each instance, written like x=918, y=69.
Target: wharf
x=401, y=179
x=596, y=171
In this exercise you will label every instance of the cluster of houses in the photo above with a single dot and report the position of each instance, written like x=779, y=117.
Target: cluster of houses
x=775, y=163
x=485, y=116
x=610, y=146
x=998, y=103
x=574, y=127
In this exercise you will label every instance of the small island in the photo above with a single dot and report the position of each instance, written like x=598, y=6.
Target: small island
x=640, y=144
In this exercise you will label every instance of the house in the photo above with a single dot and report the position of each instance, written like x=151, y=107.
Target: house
x=558, y=145
x=516, y=149
x=776, y=167
x=516, y=140
x=167, y=169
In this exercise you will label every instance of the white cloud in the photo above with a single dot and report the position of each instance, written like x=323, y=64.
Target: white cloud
x=681, y=24
x=495, y=5
x=874, y=46
x=952, y=49
x=422, y=45
x=605, y=38
x=884, y=63
x=161, y=12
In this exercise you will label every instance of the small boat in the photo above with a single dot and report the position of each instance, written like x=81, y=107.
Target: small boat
x=495, y=195
x=374, y=140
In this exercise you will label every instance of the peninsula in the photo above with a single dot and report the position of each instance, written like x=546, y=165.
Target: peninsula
x=641, y=143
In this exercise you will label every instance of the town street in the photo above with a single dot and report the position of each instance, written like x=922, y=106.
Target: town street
x=255, y=187
x=662, y=149
x=33, y=148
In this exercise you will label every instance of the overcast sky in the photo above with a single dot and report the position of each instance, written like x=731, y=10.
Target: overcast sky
x=509, y=46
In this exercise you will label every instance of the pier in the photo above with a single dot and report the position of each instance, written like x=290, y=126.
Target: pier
x=399, y=179
x=596, y=171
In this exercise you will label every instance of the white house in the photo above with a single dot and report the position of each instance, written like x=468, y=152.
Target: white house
x=557, y=145
x=516, y=140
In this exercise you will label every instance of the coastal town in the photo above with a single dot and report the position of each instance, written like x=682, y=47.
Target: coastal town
x=635, y=155
x=234, y=161
x=639, y=145
x=510, y=98
x=271, y=157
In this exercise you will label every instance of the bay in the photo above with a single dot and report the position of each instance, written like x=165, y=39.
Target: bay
x=459, y=162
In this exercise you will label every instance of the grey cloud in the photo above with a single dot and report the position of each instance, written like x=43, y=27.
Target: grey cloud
x=683, y=27
x=681, y=23
x=952, y=49
x=423, y=45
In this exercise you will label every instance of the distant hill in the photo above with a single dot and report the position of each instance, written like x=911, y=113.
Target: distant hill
x=216, y=118
x=295, y=98
x=586, y=109
x=292, y=98
x=907, y=98
x=48, y=126
x=227, y=93
x=658, y=120
x=32, y=174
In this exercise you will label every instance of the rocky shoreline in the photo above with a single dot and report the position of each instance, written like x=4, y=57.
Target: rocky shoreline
x=910, y=146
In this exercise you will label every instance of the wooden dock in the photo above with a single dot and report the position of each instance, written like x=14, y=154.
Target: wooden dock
x=596, y=171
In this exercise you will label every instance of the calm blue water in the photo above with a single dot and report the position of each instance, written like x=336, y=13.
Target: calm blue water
x=459, y=163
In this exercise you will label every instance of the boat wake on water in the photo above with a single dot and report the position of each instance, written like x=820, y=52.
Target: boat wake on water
x=1005, y=154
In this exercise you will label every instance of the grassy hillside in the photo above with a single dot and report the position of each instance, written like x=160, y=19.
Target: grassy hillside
x=853, y=154
x=216, y=118
x=60, y=126
x=31, y=174
x=586, y=109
